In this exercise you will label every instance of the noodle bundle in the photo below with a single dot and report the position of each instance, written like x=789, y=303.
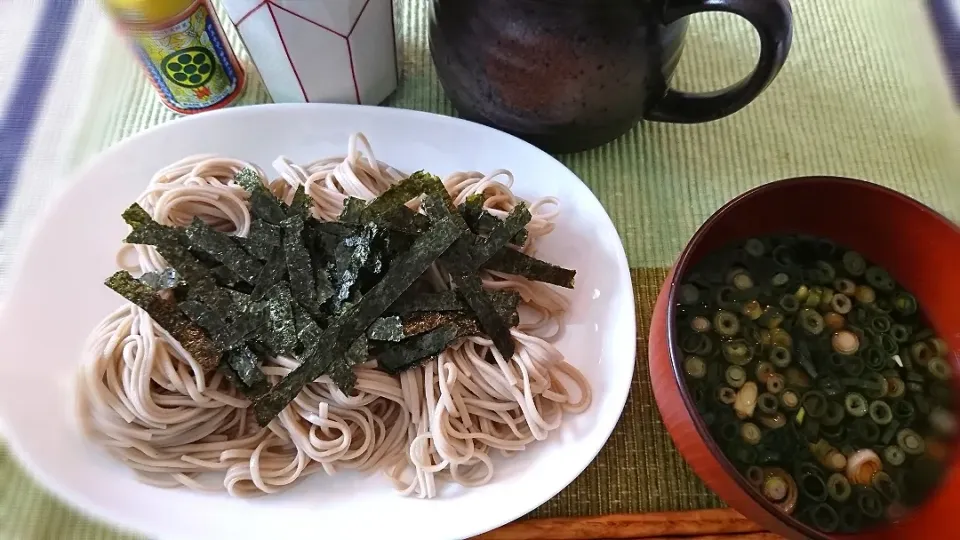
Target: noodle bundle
x=150, y=404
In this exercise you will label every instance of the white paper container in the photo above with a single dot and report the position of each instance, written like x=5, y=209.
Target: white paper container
x=335, y=51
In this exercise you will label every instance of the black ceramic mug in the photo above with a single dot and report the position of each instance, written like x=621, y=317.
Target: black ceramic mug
x=568, y=75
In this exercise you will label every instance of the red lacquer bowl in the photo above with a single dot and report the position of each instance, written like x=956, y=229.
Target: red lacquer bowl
x=920, y=249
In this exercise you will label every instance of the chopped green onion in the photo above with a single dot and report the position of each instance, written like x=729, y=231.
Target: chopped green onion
x=767, y=403
x=754, y=247
x=750, y=433
x=886, y=487
x=689, y=294
x=939, y=369
x=824, y=517
x=900, y=333
x=879, y=279
x=700, y=324
x=726, y=323
x=910, y=442
x=841, y=304
x=780, y=356
x=790, y=400
x=905, y=303
x=894, y=456
x=735, y=376
x=811, y=321
x=880, y=413
x=725, y=299
x=695, y=367
x=827, y=272
x=775, y=383
x=726, y=395
x=865, y=295
x=834, y=415
x=903, y=411
x=845, y=286
x=891, y=430
x=815, y=403
x=870, y=503
x=812, y=485
x=855, y=404
x=854, y=263
x=737, y=352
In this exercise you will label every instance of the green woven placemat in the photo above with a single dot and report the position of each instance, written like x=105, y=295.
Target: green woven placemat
x=862, y=95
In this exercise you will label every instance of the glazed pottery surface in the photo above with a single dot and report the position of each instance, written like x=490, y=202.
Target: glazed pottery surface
x=573, y=74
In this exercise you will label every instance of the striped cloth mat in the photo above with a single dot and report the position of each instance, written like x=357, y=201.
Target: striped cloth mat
x=860, y=96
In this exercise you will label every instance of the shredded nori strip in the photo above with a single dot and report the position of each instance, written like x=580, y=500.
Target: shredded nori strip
x=223, y=249
x=511, y=261
x=482, y=222
x=351, y=256
x=169, y=317
x=500, y=236
x=341, y=372
x=273, y=272
x=401, y=193
x=352, y=210
x=387, y=329
x=226, y=277
x=262, y=239
x=263, y=204
x=281, y=335
x=301, y=203
x=352, y=324
x=246, y=365
x=462, y=263
x=299, y=268
x=405, y=220
x=504, y=301
x=409, y=352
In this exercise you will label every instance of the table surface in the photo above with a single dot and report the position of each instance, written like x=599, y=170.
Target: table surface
x=858, y=97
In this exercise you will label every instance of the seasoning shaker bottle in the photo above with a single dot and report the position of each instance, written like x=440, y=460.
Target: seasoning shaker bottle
x=182, y=48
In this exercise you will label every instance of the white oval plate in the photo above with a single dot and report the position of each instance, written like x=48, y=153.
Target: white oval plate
x=57, y=297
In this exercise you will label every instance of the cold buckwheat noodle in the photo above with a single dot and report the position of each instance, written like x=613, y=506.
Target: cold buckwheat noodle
x=151, y=405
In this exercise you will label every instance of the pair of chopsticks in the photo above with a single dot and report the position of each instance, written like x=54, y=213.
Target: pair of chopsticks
x=721, y=524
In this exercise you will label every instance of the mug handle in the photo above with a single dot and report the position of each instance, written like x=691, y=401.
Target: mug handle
x=773, y=20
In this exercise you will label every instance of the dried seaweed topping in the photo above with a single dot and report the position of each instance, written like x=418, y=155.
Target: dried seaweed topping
x=332, y=295
x=222, y=248
x=412, y=351
x=481, y=221
x=299, y=267
x=272, y=273
x=165, y=313
x=462, y=262
x=511, y=261
x=352, y=324
x=352, y=210
x=263, y=204
x=261, y=239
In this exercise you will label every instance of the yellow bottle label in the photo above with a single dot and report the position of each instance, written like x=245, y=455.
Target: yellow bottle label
x=191, y=66
x=146, y=11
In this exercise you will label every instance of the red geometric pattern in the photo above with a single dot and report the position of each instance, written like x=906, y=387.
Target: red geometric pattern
x=273, y=5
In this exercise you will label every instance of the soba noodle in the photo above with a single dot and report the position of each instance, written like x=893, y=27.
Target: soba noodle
x=150, y=404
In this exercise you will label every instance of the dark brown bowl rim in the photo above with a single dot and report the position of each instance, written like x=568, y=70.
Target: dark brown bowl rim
x=684, y=260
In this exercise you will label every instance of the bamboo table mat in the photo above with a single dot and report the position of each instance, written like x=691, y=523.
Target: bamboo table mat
x=859, y=96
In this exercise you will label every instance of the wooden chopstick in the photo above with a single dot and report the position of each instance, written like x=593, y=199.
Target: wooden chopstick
x=747, y=536
x=697, y=524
